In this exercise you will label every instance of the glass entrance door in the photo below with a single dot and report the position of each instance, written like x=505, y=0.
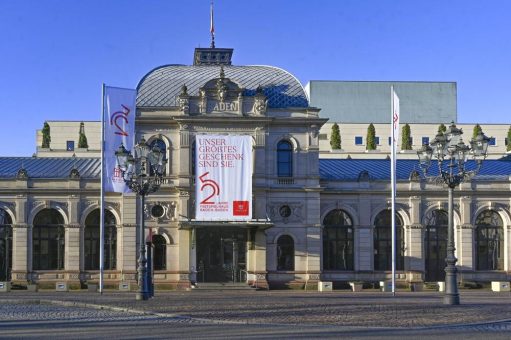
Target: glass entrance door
x=221, y=254
x=436, y=251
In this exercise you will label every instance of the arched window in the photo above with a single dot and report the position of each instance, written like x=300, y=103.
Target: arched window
x=5, y=245
x=159, y=252
x=284, y=159
x=92, y=241
x=489, y=241
x=285, y=253
x=48, y=241
x=435, y=245
x=382, y=237
x=163, y=149
x=338, y=241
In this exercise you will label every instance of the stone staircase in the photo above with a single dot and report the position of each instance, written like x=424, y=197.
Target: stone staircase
x=201, y=286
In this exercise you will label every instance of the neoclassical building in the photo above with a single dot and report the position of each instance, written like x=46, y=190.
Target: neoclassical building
x=318, y=214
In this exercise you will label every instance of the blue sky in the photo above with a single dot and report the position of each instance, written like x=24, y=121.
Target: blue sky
x=55, y=54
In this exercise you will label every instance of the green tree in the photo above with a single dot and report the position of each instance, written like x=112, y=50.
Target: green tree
x=46, y=136
x=335, y=138
x=371, y=137
x=405, y=138
x=508, y=146
x=477, y=130
x=441, y=129
x=82, y=140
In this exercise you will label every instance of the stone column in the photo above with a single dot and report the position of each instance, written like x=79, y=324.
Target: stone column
x=414, y=240
x=363, y=247
x=72, y=241
x=414, y=259
x=128, y=238
x=72, y=252
x=184, y=241
x=21, y=246
x=259, y=253
x=465, y=239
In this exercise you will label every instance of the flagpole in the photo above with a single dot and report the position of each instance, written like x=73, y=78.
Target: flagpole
x=393, y=194
x=212, y=26
x=102, y=193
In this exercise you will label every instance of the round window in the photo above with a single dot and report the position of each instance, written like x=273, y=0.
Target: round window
x=285, y=211
x=157, y=211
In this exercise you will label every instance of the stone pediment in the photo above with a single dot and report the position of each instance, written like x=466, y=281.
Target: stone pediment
x=222, y=96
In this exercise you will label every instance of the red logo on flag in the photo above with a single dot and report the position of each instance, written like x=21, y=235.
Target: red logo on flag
x=240, y=208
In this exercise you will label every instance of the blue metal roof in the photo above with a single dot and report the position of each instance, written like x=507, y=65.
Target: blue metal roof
x=329, y=169
x=161, y=86
x=379, y=169
x=49, y=167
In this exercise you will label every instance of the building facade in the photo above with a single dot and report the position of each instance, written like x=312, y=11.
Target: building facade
x=317, y=213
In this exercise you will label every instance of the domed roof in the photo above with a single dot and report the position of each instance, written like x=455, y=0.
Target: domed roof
x=161, y=86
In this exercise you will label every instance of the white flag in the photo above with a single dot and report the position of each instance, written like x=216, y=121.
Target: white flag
x=395, y=118
x=119, y=128
x=223, y=177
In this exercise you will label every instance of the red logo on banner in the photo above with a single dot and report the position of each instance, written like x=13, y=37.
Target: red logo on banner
x=123, y=115
x=240, y=208
x=215, y=188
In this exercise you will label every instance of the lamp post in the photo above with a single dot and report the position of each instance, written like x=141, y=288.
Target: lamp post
x=142, y=172
x=451, y=155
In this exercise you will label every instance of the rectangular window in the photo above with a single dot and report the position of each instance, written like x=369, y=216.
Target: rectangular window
x=377, y=140
x=493, y=142
x=505, y=141
x=425, y=140
x=358, y=140
x=390, y=140
x=70, y=145
x=411, y=140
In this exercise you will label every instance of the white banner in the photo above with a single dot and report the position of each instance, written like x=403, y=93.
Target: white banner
x=119, y=108
x=395, y=118
x=223, y=177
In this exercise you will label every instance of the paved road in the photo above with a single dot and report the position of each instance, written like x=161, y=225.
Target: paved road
x=53, y=321
x=219, y=315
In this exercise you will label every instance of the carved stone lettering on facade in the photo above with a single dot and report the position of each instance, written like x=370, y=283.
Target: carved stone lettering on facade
x=220, y=106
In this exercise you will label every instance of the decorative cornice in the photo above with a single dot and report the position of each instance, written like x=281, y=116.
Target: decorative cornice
x=467, y=226
x=129, y=225
x=72, y=226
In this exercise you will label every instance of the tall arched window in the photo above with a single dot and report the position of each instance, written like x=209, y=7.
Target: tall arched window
x=159, y=252
x=382, y=237
x=338, y=241
x=48, y=241
x=92, y=241
x=284, y=159
x=163, y=149
x=435, y=244
x=489, y=241
x=285, y=253
x=5, y=245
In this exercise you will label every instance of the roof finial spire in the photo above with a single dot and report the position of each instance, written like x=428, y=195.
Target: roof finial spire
x=212, y=26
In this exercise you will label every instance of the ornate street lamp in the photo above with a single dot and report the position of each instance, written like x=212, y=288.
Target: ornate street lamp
x=451, y=155
x=142, y=172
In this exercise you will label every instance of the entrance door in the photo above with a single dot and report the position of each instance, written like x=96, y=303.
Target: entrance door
x=221, y=254
x=436, y=251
